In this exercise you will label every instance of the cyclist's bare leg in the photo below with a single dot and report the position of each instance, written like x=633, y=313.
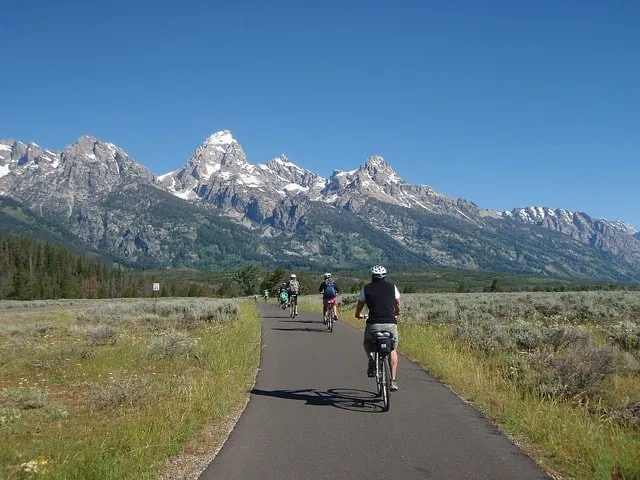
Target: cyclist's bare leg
x=368, y=348
x=335, y=310
x=394, y=363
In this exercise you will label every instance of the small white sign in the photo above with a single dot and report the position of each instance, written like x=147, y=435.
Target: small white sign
x=156, y=287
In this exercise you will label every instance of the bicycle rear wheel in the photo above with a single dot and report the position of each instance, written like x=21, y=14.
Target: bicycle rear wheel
x=379, y=373
x=386, y=383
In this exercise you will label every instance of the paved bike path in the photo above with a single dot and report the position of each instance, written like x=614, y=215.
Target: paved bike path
x=313, y=414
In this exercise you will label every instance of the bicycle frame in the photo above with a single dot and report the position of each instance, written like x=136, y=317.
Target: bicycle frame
x=330, y=316
x=383, y=368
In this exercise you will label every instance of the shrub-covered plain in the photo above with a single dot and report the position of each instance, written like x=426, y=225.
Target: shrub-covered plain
x=559, y=371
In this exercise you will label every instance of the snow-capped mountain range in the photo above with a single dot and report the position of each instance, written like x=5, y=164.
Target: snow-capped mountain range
x=279, y=198
x=220, y=162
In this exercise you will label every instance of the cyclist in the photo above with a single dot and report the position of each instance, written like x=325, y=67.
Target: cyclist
x=283, y=296
x=265, y=294
x=293, y=289
x=382, y=299
x=329, y=290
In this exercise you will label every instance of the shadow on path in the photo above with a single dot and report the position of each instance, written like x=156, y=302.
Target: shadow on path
x=301, y=329
x=303, y=321
x=344, y=398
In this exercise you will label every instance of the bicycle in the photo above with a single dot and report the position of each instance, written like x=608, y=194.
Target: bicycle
x=284, y=298
x=383, y=347
x=383, y=367
x=330, y=316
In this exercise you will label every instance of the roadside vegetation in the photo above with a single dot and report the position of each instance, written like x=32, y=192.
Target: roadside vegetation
x=117, y=390
x=559, y=372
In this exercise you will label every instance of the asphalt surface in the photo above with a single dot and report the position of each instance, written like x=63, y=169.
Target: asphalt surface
x=313, y=414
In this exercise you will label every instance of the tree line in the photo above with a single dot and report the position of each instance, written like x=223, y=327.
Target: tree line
x=34, y=270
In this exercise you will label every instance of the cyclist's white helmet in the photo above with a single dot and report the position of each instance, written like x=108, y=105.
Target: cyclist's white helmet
x=327, y=275
x=378, y=271
x=293, y=275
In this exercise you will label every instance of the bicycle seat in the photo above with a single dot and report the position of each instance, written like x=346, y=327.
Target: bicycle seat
x=383, y=334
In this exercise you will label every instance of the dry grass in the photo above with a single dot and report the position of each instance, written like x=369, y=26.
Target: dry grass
x=135, y=383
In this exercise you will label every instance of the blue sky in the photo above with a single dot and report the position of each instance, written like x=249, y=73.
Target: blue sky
x=503, y=103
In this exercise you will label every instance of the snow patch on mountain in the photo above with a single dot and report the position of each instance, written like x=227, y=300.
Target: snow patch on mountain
x=167, y=175
x=223, y=137
x=211, y=168
x=295, y=187
x=186, y=195
x=249, y=180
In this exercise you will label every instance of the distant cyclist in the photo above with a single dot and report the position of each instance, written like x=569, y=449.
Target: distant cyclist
x=283, y=296
x=382, y=299
x=265, y=294
x=329, y=290
x=293, y=289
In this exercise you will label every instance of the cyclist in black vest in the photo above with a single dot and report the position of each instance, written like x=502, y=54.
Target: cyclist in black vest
x=382, y=299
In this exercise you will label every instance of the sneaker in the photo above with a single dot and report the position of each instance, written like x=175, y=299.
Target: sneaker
x=394, y=386
x=371, y=368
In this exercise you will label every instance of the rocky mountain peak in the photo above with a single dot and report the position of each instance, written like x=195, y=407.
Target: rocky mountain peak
x=219, y=150
x=98, y=165
x=379, y=170
x=279, y=162
x=223, y=137
x=19, y=157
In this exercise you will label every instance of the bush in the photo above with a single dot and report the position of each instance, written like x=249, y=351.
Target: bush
x=480, y=334
x=120, y=391
x=101, y=335
x=25, y=398
x=626, y=363
x=525, y=335
x=624, y=334
x=577, y=371
x=559, y=337
x=629, y=413
x=174, y=343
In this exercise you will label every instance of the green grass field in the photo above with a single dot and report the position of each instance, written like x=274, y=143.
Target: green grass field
x=120, y=389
